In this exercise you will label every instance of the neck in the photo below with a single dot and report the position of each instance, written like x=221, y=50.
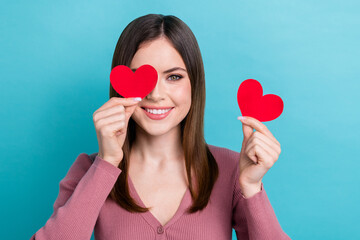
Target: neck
x=158, y=152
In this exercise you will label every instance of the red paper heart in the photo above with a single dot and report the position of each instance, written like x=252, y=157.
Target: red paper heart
x=129, y=84
x=252, y=102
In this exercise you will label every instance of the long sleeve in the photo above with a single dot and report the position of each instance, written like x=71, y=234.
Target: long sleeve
x=254, y=218
x=82, y=193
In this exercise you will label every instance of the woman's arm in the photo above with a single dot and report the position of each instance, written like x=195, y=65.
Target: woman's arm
x=82, y=193
x=254, y=218
x=259, y=151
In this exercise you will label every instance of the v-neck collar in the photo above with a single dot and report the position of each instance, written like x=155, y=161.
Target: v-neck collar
x=186, y=202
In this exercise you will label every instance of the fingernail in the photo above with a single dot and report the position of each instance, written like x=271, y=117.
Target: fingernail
x=138, y=99
x=241, y=118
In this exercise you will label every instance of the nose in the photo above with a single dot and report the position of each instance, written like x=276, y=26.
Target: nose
x=156, y=93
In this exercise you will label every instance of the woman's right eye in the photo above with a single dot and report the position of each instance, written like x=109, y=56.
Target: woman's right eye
x=175, y=76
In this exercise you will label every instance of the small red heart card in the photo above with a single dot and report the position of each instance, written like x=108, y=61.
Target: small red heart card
x=252, y=103
x=133, y=84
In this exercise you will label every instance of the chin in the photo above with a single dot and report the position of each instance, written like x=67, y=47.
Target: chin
x=157, y=130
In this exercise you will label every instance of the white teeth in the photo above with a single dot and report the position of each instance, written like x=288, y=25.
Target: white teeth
x=155, y=111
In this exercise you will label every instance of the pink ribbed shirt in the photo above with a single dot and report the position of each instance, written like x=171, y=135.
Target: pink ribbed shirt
x=83, y=206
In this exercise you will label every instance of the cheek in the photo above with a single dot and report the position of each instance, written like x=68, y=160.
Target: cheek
x=182, y=96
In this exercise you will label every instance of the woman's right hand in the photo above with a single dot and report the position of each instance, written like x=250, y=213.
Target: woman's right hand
x=111, y=121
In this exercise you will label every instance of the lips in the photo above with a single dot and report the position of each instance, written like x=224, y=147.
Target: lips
x=149, y=107
x=157, y=116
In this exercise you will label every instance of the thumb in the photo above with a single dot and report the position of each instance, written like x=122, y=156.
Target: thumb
x=247, y=131
x=129, y=110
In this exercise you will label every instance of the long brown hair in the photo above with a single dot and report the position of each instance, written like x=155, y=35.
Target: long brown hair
x=197, y=154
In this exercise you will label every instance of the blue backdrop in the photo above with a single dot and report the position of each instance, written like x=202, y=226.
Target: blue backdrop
x=55, y=66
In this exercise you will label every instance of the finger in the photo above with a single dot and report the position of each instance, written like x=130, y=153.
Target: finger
x=111, y=119
x=118, y=100
x=268, y=148
x=258, y=153
x=264, y=138
x=117, y=127
x=115, y=110
x=258, y=126
x=115, y=119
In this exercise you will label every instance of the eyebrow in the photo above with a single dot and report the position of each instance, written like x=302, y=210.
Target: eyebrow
x=167, y=71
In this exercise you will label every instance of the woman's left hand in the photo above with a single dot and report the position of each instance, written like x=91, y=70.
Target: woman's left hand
x=259, y=151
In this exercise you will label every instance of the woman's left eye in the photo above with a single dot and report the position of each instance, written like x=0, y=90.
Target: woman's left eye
x=174, y=79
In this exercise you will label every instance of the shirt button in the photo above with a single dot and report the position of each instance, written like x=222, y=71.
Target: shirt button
x=160, y=229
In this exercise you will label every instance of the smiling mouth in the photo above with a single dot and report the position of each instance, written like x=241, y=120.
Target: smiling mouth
x=158, y=111
x=158, y=108
x=157, y=115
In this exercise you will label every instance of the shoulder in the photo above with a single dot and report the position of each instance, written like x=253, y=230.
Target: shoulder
x=223, y=153
x=226, y=158
x=228, y=162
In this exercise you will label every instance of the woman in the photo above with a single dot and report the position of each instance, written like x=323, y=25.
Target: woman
x=154, y=176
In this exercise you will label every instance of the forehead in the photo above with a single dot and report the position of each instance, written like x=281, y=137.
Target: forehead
x=159, y=53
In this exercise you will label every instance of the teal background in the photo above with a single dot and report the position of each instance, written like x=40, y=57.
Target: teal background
x=55, y=64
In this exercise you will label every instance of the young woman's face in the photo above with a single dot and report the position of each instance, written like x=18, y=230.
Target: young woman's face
x=173, y=88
